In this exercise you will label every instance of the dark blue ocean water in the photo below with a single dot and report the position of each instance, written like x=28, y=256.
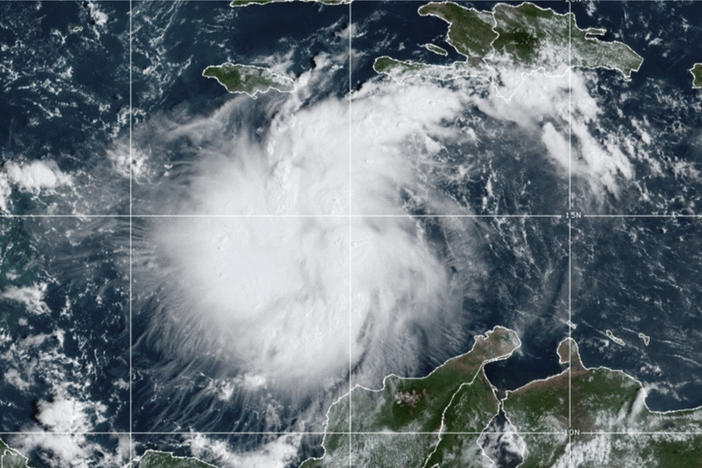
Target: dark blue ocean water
x=628, y=275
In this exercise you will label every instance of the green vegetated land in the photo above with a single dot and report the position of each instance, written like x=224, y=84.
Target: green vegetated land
x=470, y=30
x=243, y=3
x=415, y=421
x=604, y=401
x=248, y=79
x=387, y=64
x=435, y=49
x=526, y=35
x=696, y=71
x=10, y=458
x=455, y=395
x=610, y=421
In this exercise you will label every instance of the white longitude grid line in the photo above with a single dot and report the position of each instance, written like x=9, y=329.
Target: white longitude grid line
x=570, y=228
x=349, y=216
x=350, y=234
x=131, y=250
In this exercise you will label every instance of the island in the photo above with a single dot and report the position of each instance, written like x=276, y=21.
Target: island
x=526, y=36
x=388, y=65
x=696, y=72
x=470, y=31
x=435, y=49
x=456, y=396
x=248, y=79
x=645, y=338
x=243, y=3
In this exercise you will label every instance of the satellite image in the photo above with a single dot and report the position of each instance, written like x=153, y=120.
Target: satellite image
x=350, y=233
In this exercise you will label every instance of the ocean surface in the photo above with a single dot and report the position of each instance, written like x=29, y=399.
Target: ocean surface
x=64, y=283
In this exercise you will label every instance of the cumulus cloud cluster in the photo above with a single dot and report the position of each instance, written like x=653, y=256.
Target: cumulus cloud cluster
x=64, y=411
x=32, y=177
x=278, y=453
x=549, y=103
x=31, y=296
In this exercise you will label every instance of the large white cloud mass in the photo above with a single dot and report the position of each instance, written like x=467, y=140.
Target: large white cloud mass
x=298, y=253
x=296, y=257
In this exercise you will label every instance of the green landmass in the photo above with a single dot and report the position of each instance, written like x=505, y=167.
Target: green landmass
x=436, y=49
x=243, y=3
x=437, y=420
x=610, y=422
x=470, y=31
x=473, y=407
x=156, y=459
x=10, y=458
x=529, y=36
x=391, y=66
x=455, y=395
x=696, y=71
x=400, y=69
x=248, y=79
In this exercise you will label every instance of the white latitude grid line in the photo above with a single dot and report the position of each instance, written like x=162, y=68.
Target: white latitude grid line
x=318, y=433
x=81, y=216
x=350, y=216
x=354, y=1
